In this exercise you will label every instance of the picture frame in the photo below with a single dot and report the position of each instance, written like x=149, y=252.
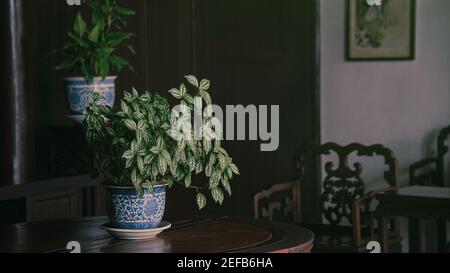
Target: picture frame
x=381, y=30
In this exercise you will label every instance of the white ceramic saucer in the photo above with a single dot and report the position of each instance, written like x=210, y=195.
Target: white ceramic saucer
x=136, y=234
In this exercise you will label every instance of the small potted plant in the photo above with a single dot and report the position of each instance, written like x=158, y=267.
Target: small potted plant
x=140, y=148
x=92, y=51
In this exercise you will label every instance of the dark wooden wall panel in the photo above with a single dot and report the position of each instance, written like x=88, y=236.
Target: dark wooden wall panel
x=258, y=52
x=263, y=53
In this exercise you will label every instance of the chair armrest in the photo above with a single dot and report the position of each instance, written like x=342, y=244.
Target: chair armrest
x=369, y=196
x=423, y=163
x=364, y=202
x=422, y=178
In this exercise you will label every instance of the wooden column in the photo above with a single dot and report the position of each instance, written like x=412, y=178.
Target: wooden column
x=13, y=99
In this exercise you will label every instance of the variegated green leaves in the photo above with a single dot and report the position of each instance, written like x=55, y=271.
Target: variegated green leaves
x=201, y=200
x=202, y=88
x=146, y=118
x=164, y=159
x=132, y=146
x=182, y=94
x=220, y=170
x=217, y=195
x=135, y=145
x=204, y=152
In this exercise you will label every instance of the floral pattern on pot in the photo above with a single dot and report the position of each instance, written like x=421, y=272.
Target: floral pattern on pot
x=78, y=91
x=127, y=211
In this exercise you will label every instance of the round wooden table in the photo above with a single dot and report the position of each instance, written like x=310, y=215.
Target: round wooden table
x=209, y=235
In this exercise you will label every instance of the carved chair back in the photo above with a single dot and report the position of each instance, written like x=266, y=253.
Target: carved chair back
x=279, y=203
x=343, y=184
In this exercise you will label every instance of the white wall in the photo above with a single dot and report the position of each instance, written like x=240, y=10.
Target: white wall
x=400, y=104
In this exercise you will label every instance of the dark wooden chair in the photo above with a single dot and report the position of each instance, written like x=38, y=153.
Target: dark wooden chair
x=344, y=198
x=430, y=171
x=279, y=203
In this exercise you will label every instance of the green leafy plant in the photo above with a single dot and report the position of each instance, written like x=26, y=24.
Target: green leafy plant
x=135, y=144
x=92, y=47
x=372, y=23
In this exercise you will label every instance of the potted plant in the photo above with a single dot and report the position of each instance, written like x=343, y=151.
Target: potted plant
x=137, y=149
x=92, y=50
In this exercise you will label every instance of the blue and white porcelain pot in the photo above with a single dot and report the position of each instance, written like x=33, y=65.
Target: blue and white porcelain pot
x=128, y=211
x=78, y=91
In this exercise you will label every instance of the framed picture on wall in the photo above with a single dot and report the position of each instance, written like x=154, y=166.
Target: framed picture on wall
x=381, y=29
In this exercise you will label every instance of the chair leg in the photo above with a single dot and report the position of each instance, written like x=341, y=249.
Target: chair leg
x=442, y=236
x=383, y=234
x=414, y=236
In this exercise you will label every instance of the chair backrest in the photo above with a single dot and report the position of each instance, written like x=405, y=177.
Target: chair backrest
x=424, y=172
x=279, y=203
x=431, y=171
x=442, y=150
x=343, y=184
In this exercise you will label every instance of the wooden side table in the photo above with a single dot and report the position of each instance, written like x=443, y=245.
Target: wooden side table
x=415, y=203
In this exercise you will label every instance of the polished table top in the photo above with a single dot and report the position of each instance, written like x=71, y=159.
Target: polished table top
x=208, y=235
x=422, y=191
x=416, y=201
